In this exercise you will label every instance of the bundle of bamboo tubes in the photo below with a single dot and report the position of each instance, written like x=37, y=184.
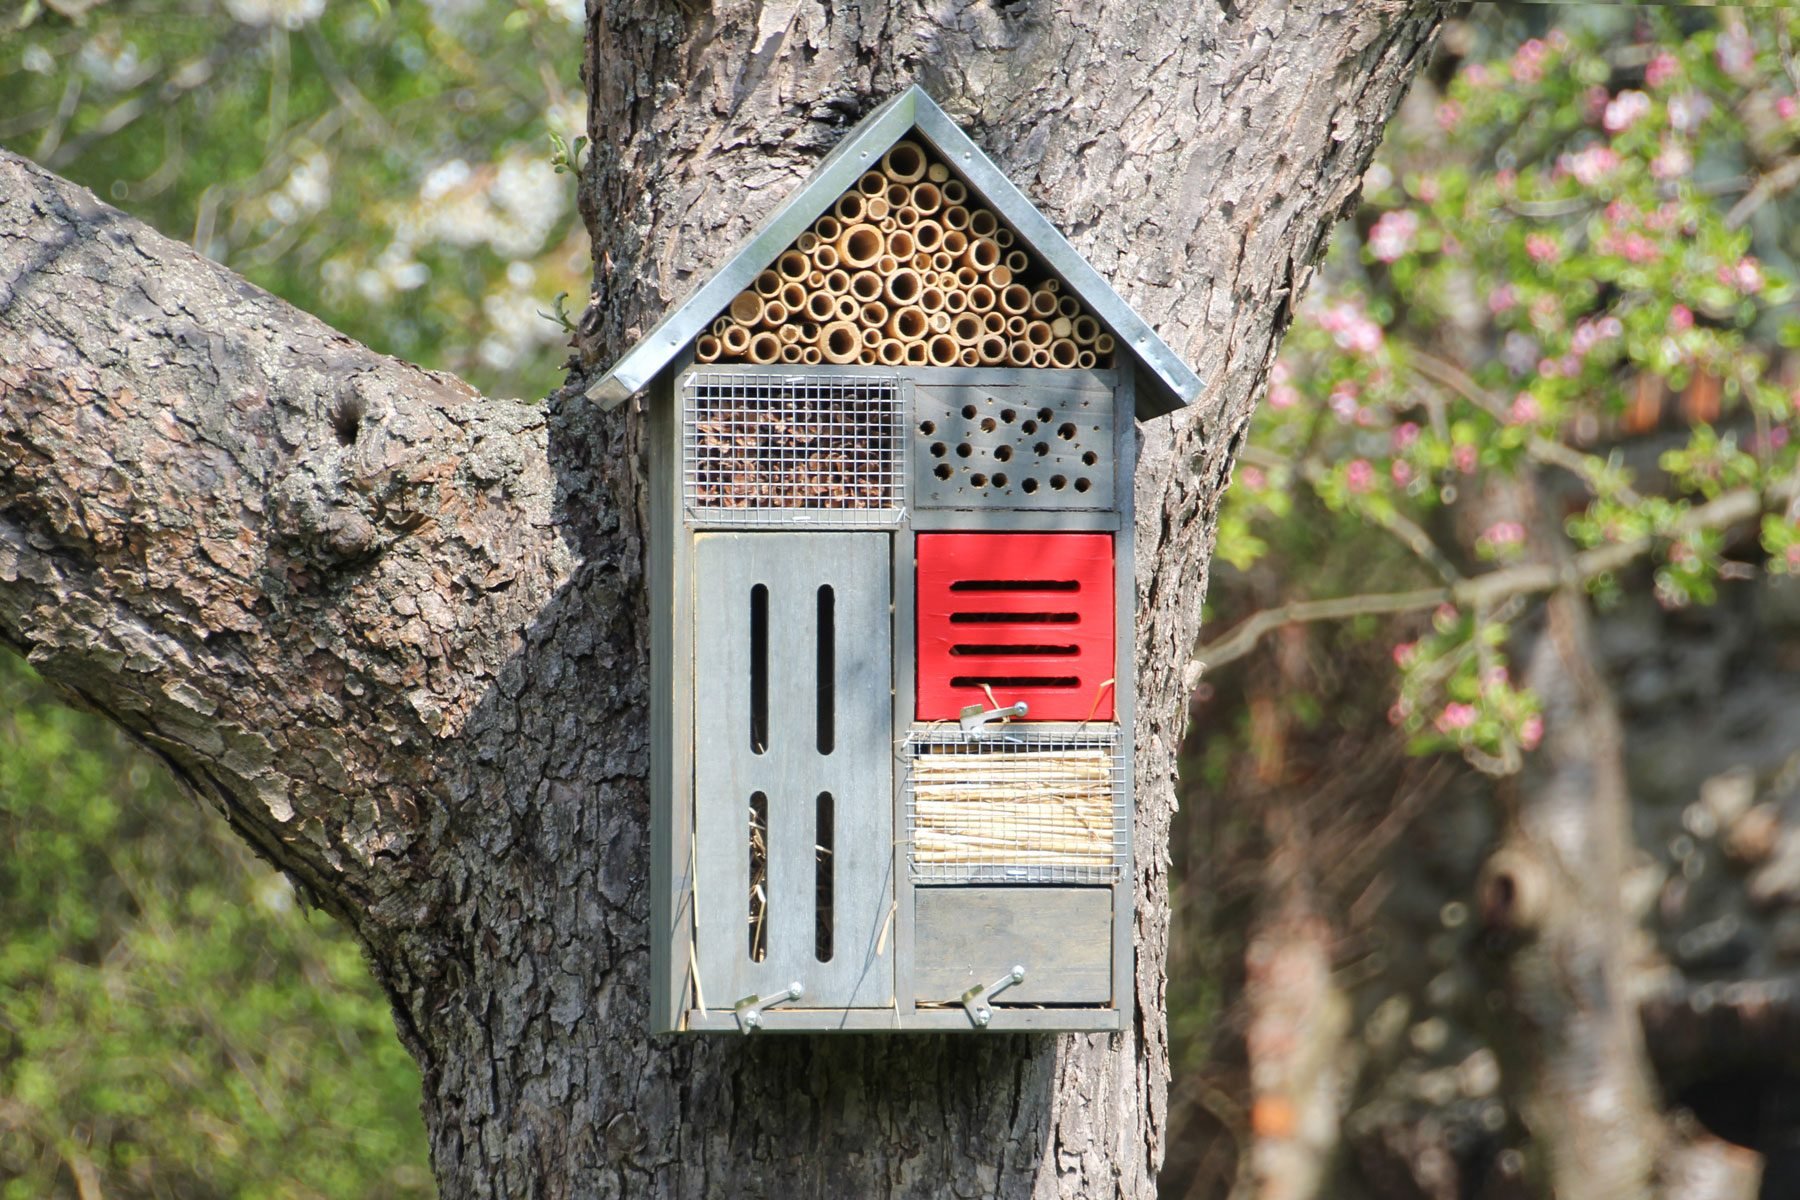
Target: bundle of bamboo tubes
x=1033, y=808
x=904, y=271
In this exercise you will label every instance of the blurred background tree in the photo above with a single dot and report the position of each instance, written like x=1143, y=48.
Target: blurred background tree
x=172, y=1020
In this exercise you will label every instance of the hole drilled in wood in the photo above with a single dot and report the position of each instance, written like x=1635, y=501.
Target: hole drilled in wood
x=1006, y=648
x=759, y=669
x=1014, y=681
x=827, y=674
x=1016, y=585
x=759, y=877
x=824, y=856
x=1014, y=618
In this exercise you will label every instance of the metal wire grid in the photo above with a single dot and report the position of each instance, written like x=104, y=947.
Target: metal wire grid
x=790, y=449
x=1015, y=807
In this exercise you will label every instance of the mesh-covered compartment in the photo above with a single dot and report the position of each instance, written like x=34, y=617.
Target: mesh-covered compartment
x=764, y=449
x=1015, y=807
x=1013, y=446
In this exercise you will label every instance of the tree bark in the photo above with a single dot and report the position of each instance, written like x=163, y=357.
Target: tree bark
x=396, y=633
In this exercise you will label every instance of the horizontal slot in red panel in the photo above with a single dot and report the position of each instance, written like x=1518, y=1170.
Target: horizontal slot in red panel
x=1027, y=616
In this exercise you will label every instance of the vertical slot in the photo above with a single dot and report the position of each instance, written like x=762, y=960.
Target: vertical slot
x=823, y=850
x=759, y=669
x=827, y=693
x=759, y=877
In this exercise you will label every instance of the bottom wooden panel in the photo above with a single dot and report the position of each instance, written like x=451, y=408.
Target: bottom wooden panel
x=969, y=936
x=924, y=1020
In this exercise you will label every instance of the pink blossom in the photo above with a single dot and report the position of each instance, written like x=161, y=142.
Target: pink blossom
x=1476, y=75
x=1542, y=247
x=1528, y=62
x=1448, y=114
x=1591, y=164
x=1405, y=434
x=1524, y=410
x=1428, y=190
x=1393, y=234
x=1633, y=247
x=1283, y=396
x=1403, y=653
x=1505, y=179
x=1494, y=677
x=1531, y=732
x=1747, y=276
x=1443, y=617
x=1280, y=372
x=1793, y=557
x=1594, y=101
x=1501, y=299
x=1343, y=400
x=1673, y=162
x=1688, y=111
x=1464, y=459
x=1398, y=712
x=1681, y=318
x=1787, y=108
x=1736, y=53
x=1401, y=471
x=1252, y=478
x=1503, y=535
x=1359, y=476
x=1351, y=329
x=1455, y=716
x=1625, y=110
x=1661, y=69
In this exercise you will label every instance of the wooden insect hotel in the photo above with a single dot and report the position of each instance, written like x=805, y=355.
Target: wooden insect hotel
x=891, y=453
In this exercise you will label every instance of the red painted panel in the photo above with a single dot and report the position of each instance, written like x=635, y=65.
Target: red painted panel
x=1030, y=614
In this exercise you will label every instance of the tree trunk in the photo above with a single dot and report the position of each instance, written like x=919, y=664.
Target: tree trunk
x=396, y=632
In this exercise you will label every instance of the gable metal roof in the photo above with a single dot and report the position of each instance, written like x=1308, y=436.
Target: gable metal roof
x=1167, y=382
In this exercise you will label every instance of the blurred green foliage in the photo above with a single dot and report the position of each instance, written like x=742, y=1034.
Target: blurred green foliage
x=171, y=1022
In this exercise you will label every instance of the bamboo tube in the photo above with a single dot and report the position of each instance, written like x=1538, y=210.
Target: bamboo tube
x=807, y=242
x=927, y=235
x=1018, y=354
x=888, y=224
x=921, y=261
x=939, y=322
x=1015, y=298
x=982, y=223
x=993, y=350
x=768, y=282
x=870, y=339
x=941, y=261
x=815, y=279
x=926, y=198
x=765, y=347
x=1015, y=326
x=891, y=352
x=955, y=300
x=792, y=264
x=901, y=245
x=955, y=217
x=886, y=265
x=826, y=258
x=1043, y=304
x=937, y=172
x=954, y=191
x=774, y=313
x=794, y=296
x=1050, y=284
x=746, y=308
x=917, y=354
x=931, y=298
x=898, y=195
x=878, y=208
x=809, y=332
x=719, y=324
x=707, y=348
x=905, y=163
x=955, y=243
x=1085, y=360
x=865, y=286
x=906, y=216
x=847, y=308
x=967, y=278
x=1040, y=357
x=828, y=229
x=983, y=254
x=788, y=333
x=839, y=342
x=736, y=340
x=907, y=324
x=1000, y=276
x=859, y=246
x=1061, y=327
x=1017, y=261
x=902, y=287
x=837, y=282
x=811, y=355
x=994, y=322
x=821, y=306
x=1038, y=333
x=1004, y=237
x=968, y=357
x=1086, y=330
x=1063, y=352
x=1103, y=345
x=872, y=183
x=790, y=352
x=875, y=314
x=850, y=208
x=966, y=329
x=1069, y=306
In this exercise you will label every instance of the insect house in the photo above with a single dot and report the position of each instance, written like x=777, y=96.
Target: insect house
x=891, y=592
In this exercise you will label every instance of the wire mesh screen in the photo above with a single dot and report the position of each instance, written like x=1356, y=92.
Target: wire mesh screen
x=765, y=449
x=1016, y=807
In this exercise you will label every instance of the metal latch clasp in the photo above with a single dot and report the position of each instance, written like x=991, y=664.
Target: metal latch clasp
x=975, y=1001
x=749, y=1010
x=974, y=716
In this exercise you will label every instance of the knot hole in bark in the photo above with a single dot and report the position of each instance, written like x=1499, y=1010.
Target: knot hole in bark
x=1510, y=893
x=347, y=418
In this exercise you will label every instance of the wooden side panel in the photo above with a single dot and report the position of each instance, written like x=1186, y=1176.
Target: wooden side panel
x=965, y=936
x=781, y=756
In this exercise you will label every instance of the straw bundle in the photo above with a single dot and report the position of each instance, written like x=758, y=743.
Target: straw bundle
x=906, y=234
x=1050, y=808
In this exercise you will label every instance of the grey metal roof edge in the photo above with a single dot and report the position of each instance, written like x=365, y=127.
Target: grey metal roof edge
x=1172, y=384
x=865, y=143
